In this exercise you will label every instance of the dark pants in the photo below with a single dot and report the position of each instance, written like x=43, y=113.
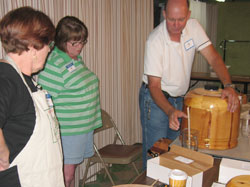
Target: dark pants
x=154, y=121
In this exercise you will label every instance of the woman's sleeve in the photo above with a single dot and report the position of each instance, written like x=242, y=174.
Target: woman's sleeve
x=51, y=78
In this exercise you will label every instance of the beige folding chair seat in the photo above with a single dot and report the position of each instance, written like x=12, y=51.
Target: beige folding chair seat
x=112, y=153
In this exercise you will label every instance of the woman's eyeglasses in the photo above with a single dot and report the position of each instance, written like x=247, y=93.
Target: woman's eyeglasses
x=77, y=43
x=51, y=45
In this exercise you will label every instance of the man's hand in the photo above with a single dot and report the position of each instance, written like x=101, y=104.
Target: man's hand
x=233, y=100
x=173, y=116
x=215, y=60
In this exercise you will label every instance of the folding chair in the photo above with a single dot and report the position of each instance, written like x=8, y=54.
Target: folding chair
x=112, y=153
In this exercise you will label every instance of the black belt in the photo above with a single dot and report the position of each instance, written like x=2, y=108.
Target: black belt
x=144, y=84
x=167, y=95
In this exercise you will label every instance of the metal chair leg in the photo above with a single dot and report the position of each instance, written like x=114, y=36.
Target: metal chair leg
x=85, y=173
x=104, y=165
x=107, y=171
x=135, y=168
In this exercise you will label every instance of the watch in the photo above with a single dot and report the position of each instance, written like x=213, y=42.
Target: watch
x=229, y=85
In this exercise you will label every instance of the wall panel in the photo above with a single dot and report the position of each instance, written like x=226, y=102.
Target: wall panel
x=117, y=33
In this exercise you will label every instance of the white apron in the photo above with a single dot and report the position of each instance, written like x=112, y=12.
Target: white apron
x=40, y=163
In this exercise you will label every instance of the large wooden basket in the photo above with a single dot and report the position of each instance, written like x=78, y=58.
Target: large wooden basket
x=218, y=128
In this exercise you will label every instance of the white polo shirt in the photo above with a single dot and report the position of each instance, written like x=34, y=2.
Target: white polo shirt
x=172, y=61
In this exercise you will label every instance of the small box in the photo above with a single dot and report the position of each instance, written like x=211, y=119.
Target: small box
x=230, y=168
x=215, y=184
x=192, y=162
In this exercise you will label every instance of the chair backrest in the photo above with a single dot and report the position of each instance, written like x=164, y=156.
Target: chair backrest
x=108, y=123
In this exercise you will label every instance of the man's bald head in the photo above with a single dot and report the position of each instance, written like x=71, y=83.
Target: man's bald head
x=176, y=14
x=167, y=2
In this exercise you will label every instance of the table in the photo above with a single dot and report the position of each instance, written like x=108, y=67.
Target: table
x=200, y=76
x=209, y=176
x=240, y=152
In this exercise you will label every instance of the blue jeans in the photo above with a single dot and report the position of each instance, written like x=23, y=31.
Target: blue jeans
x=154, y=121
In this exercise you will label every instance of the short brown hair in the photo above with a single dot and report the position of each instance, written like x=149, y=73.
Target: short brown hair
x=24, y=27
x=70, y=28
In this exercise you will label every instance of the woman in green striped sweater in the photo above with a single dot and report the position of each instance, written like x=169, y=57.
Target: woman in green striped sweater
x=75, y=94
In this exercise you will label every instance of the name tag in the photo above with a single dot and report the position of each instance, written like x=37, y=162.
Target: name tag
x=189, y=44
x=70, y=67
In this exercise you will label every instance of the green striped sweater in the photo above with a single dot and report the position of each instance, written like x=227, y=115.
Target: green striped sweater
x=75, y=93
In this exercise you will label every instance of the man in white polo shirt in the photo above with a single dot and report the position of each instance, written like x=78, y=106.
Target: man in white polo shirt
x=169, y=55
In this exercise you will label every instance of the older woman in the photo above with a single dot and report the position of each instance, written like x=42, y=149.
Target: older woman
x=30, y=147
x=75, y=93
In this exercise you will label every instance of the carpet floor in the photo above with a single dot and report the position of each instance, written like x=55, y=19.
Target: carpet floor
x=121, y=174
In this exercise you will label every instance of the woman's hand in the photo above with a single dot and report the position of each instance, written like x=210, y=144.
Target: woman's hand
x=4, y=162
x=4, y=153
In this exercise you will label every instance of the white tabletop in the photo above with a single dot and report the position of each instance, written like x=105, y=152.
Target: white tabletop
x=240, y=152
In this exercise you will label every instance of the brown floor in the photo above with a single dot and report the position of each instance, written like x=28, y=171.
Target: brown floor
x=121, y=175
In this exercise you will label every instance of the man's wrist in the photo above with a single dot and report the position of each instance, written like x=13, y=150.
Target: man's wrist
x=229, y=85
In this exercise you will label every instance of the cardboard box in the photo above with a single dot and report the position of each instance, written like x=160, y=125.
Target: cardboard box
x=215, y=184
x=192, y=162
x=230, y=168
